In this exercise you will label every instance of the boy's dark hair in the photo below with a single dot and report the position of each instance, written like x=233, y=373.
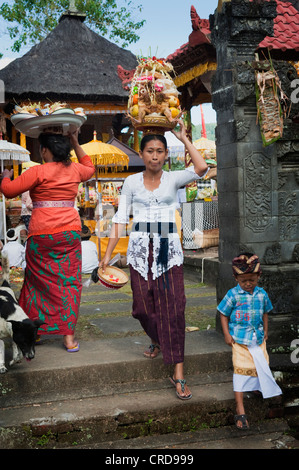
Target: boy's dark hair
x=11, y=235
x=85, y=233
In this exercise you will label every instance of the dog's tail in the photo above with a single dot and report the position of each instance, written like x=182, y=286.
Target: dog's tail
x=5, y=267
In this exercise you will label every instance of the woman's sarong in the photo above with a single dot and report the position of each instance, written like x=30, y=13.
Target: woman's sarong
x=52, y=285
x=161, y=310
x=252, y=371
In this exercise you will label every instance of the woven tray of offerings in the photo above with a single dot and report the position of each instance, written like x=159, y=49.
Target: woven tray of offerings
x=113, y=277
x=59, y=118
x=154, y=104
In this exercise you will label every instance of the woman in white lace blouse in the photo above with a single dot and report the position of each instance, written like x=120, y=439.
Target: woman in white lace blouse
x=154, y=252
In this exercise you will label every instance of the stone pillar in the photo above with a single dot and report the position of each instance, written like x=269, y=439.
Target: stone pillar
x=253, y=213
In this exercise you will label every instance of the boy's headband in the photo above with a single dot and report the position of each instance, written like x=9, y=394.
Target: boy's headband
x=245, y=264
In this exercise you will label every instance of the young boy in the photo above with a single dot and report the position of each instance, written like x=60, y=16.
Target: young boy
x=14, y=250
x=244, y=319
x=90, y=259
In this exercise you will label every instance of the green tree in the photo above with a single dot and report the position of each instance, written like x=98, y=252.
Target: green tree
x=32, y=20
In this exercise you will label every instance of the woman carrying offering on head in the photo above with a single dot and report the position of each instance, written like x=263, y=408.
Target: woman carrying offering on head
x=154, y=252
x=52, y=283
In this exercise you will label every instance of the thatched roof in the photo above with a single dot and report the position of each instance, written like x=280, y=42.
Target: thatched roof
x=72, y=63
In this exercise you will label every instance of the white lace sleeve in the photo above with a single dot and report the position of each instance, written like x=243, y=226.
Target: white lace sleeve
x=186, y=176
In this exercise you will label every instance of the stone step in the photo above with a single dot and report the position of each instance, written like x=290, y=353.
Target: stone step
x=109, y=395
x=123, y=414
x=102, y=365
x=170, y=448
x=117, y=361
x=109, y=392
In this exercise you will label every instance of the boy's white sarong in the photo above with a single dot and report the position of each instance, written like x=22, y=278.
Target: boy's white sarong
x=262, y=380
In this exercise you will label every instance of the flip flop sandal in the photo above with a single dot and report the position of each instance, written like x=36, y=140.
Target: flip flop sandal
x=73, y=349
x=243, y=419
x=182, y=382
x=150, y=353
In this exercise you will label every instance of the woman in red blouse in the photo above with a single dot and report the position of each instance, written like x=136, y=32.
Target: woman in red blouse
x=52, y=283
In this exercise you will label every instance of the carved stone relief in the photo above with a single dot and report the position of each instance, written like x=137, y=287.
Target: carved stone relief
x=244, y=92
x=282, y=179
x=287, y=228
x=288, y=150
x=273, y=254
x=287, y=203
x=242, y=129
x=257, y=192
x=296, y=253
x=280, y=290
x=282, y=148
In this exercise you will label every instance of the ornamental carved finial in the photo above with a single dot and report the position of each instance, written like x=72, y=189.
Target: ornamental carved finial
x=197, y=23
x=125, y=76
x=195, y=19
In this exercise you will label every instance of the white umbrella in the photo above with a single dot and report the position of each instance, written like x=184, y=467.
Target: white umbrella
x=10, y=153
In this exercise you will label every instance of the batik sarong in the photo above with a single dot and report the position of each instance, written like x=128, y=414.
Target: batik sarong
x=161, y=309
x=52, y=283
x=243, y=361
x=252, y=371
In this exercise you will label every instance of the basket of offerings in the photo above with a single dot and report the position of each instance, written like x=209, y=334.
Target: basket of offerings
x=273, y=106
x=153, y=104
x=59, y=118
x=113, y=278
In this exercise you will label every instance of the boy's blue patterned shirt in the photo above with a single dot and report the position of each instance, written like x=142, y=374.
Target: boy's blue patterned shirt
x=246, y=313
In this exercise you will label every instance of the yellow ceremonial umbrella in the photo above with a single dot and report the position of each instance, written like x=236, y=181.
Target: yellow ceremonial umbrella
x=26, y=165
x=207, y=148
x=104, y=155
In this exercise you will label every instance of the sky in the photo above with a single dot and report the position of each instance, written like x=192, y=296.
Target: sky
x=168, y=26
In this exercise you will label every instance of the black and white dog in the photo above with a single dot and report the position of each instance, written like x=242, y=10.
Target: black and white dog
x=15, y=323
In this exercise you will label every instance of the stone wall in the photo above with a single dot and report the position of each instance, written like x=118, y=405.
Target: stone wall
x=258, y=186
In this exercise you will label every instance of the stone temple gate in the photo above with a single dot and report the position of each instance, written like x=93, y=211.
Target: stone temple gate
x=258, y=185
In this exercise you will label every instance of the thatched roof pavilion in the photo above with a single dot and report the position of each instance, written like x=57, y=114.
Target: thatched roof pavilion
x=76, y=65
x=73, y=63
